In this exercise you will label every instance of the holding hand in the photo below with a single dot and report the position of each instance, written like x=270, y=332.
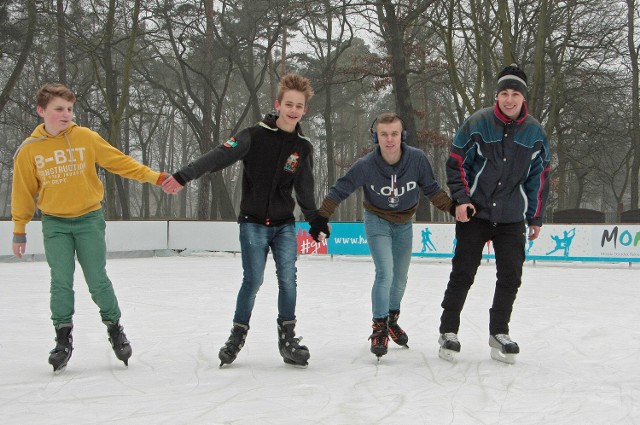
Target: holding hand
x=464, y=212
x=171, y=186
x=319, y=228
x=534, y=232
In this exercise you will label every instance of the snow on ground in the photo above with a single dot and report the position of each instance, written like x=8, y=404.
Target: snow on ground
x=577, y=327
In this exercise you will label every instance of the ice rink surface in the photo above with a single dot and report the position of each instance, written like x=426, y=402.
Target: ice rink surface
x=578, y=328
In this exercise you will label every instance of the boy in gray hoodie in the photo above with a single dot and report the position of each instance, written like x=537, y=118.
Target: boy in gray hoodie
x=391, y=177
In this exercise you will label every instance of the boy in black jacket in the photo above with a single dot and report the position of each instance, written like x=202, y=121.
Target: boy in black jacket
x=277, y=158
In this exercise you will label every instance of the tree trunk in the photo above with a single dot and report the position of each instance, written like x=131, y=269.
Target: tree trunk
x=635, y=106
x=204, y=205
x=24, y=54
x=116, y=105
x=62, y=42
x=393, y=34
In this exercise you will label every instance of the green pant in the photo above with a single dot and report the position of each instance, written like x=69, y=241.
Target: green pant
x=65, y=238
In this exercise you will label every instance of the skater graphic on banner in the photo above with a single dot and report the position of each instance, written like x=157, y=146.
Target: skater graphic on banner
x=563, y=243
x=427, y=244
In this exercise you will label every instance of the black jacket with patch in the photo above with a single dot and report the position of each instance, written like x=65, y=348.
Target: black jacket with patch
x=274, y=164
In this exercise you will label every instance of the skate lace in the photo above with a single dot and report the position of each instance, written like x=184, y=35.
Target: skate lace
x=294, y=342
x=62, y=345
x=395, y=330
x=236, y=340
x=379, y=336
x=118, y=337
x=450, y=336
x=60, y=349
x=503, y=339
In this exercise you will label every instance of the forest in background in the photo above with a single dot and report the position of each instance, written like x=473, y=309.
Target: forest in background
x=166, y=81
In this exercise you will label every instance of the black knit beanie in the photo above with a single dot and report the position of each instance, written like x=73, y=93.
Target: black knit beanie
x=512, y=77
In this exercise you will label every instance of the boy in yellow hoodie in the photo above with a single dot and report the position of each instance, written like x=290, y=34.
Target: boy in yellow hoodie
x=57, y=167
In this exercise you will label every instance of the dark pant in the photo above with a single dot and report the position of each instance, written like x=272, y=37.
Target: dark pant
x=508, y=241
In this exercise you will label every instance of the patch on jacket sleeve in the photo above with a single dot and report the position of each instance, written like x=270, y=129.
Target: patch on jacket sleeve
x=231, y=143
x=292, y=163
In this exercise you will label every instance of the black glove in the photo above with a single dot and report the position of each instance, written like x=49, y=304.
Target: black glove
x=470, y=212
x=319, y=225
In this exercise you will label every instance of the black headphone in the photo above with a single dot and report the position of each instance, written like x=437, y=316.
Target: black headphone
x=374, y=134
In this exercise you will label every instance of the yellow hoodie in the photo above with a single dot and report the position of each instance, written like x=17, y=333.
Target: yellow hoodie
x=61, y=171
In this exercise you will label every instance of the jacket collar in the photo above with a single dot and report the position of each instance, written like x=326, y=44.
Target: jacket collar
x=269, y=122
x=502, y=117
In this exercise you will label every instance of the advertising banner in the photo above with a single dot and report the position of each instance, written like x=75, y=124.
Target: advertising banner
x=601, y=242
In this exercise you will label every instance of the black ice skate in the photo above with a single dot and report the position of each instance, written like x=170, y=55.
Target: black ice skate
x=379, y=338
x=503, y=348
x=290, y=349
x=449, y=346
x=119, y=341
x=60, y=355
x=234, y=344
x=397, y=334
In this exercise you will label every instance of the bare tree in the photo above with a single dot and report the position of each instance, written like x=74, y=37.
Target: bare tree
x=395, y=21
x=22, y=37
x=117, y=99
x=329, y=34
x=204, y=65
x=632, y=13
x=62, y=42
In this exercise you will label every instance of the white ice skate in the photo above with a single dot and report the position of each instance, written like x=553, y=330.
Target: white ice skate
x=449, y=346
x=503, y=349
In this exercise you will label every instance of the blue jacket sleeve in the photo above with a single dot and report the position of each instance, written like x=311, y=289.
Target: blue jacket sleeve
x=537, y=184
x=347, y=184
x=460, y=155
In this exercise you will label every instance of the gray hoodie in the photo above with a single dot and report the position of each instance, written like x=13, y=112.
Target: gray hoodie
x=393, y=188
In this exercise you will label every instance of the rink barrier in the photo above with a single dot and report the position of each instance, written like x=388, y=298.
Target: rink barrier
x=608, y=243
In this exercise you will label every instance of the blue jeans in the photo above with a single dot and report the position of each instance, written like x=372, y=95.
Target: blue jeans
x=255, y=241
x=390, y=245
